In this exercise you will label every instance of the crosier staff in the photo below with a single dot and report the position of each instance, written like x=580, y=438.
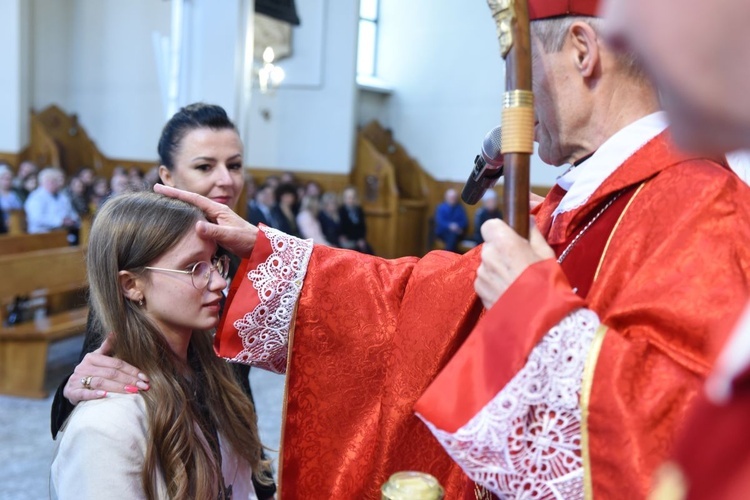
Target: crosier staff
x=512, y=20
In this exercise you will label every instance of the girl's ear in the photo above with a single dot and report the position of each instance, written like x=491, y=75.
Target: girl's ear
x=131, y=286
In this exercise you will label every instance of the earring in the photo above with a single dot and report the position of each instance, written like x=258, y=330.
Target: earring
x=140, y=302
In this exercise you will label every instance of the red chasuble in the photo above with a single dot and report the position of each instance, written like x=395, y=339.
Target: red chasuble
x=711, y=459
x=368, y=337
x=552, y=394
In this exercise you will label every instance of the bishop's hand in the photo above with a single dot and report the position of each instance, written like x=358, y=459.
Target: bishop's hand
x=505, y=256
x=224, y=226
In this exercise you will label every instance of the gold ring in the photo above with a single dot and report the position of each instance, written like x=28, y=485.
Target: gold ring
x=86, y=382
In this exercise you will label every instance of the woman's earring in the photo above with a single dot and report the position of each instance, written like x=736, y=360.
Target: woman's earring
x=140, y=302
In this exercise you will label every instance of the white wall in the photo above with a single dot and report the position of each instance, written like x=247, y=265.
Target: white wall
x=311, y=117
x=97, y=58
x=443, y=61
x=51, y=26
x=14, y=78
x=212, y=43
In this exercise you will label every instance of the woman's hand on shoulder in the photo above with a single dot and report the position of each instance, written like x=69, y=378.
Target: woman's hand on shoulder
x=225, y=227
x=98, y=373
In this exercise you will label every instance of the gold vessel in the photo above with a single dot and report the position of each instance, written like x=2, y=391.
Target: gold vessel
x=410, y=485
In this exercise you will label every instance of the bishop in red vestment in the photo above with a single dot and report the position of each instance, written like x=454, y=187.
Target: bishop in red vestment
x=577, y=377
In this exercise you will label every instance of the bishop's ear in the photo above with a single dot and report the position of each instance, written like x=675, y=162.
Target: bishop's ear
x=584, y=44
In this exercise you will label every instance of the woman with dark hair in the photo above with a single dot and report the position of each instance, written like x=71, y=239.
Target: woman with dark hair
x=284, y=211
x=200, y=151
x=193, y=434
x=329, y=218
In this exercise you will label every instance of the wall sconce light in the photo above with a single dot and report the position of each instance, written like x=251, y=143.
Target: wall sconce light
x=270, y=75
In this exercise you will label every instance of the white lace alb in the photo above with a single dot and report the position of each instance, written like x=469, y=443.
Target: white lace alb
x=265, y=330
x=526, y=442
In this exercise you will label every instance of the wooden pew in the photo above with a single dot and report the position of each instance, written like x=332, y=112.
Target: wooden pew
x=21, y=243
x=17, y=224
x=23, y=346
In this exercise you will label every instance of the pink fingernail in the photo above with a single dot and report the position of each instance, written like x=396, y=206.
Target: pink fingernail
x=143, y=377
x=142, y=386
x=101, y=394
x=131, y=389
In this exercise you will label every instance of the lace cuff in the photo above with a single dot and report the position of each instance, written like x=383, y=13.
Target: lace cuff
x=264, y=331
x=526, y=442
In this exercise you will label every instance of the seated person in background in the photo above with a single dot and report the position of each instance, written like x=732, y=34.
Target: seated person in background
x=328, y=217
x=28, y=185
x=120, y=183
x=353, y=228
x=9, y=199
x=135, y=179
x=151, y=178
x=77, y=192
x=25, y=169
x=288, y=178
x=488, y=210
x=251, y=189
x=313, y=189
x=260, y=209
x=99, y=194
x=308, y=223
x=158, y=285
x=284, y=212
x=48, y=207
x=86, y=174
x=450, y=221
x=273, y=181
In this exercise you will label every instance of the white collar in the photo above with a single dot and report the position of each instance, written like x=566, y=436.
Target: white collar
x=740, y=163
x=581, y=182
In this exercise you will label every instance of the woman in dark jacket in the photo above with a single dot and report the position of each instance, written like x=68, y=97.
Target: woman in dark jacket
x=353, y=229
x=284, y=212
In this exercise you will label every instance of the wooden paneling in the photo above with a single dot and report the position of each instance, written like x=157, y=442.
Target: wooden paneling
x=57, y=139
x=13, y=159
x=17, y=222
x=10, y=244
x=394, y=194
x=23, y=346
x=42, y=269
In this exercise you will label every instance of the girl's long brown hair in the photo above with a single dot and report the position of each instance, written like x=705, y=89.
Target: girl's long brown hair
x=130, y=232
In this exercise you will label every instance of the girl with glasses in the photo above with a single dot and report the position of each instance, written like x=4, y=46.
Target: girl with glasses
x=193, y=434
x=200, y=151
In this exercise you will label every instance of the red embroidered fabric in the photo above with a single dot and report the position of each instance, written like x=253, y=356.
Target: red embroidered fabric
x=676, y=265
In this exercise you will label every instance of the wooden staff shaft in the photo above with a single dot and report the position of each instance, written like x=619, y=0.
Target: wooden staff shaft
x=518, y=77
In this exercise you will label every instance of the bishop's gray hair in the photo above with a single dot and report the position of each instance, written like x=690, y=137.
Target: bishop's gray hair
x=552, y=32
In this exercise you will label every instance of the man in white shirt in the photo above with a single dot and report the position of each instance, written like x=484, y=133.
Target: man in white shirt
x=48, y=207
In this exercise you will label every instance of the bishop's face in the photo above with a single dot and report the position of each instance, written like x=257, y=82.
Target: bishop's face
x=553, y=118
x=698, y=53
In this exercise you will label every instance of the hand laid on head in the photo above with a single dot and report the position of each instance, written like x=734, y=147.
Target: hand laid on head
x=98, y=373
x=226, y=227
x=505, y=255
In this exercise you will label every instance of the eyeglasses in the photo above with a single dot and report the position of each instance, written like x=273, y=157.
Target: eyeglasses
x=200, y=274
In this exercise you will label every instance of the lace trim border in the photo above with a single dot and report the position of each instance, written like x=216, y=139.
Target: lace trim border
x=278, y=280
x=526, y=442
